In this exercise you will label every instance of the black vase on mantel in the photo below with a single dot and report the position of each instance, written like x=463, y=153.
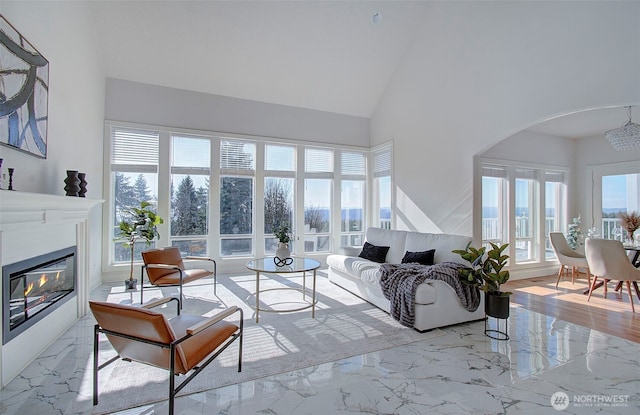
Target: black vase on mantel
x=72, y=183
x=83, y=184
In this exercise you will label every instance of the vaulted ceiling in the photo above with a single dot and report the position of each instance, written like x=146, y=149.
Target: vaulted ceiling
x=323, y=55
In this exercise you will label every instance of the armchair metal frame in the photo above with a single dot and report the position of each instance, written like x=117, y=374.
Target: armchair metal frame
x=191, y=332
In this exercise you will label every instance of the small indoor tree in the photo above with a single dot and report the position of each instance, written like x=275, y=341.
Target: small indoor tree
x=141, y=224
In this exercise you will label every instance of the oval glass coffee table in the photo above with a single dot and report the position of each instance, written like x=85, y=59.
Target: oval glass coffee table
x=298, y=264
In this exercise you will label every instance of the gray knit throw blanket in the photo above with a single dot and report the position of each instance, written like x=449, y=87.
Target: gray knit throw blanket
x=399, y=283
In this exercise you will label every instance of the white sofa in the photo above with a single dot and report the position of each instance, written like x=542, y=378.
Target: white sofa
x=436, y=302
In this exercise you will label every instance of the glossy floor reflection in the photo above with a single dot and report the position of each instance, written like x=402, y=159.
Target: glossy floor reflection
x=461, y=372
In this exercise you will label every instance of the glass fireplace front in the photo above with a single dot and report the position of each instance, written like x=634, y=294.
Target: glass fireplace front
x=35, y=287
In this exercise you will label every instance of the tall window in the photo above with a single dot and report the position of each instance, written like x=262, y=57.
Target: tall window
x=382, y=187
x=353, y=175
x=318, y=188
x=237, y=170
x=494, y=204
x=555, y=195
x=520, y=206
x=134, y=179
x=279, y=192
x=526, y=215
x=620, y=193
x=190, y=175
x=224, y=195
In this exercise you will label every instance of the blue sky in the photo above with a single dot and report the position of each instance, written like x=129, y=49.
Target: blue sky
x=614, y=191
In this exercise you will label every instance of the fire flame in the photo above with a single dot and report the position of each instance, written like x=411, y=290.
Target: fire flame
x=41, y=282
x=29, y=289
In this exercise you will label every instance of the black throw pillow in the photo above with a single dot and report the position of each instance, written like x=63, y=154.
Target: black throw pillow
x=374, y=253
x=424, y=257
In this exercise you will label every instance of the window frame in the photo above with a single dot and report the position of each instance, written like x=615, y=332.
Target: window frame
x=538, y=234
x=164, y=172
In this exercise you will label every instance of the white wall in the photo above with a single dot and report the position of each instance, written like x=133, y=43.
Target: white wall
x=62, y=32
x=156, y=105
x=477, y=72
x=533, y=147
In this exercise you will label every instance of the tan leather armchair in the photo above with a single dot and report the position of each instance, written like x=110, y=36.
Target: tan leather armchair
x=165, y=267
x=183, y=345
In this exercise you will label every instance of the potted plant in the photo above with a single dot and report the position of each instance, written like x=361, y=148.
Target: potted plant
x=284, y=237
x=141, y=225
x=574, y=234
x=487, y=273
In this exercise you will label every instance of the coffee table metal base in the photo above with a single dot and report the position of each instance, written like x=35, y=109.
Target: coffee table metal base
x=299, y=265
x=302, y=291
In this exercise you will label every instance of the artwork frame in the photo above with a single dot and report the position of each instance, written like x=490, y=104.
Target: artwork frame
x=24, y=93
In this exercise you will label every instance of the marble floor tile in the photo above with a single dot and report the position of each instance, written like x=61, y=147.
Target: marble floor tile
x=460, y=372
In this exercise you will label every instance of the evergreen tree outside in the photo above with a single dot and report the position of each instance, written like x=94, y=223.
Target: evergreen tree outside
x=236, y=205
x=189, y=209
x=141, y=190
x=124, y=196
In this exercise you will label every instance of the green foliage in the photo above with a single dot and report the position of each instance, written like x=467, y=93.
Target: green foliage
x=486, y=271
x=575, y=235
x=236, y=205
x=141, y=225
x=189, y=208
x=283, y=234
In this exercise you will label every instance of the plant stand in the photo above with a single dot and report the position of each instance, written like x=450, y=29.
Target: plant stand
x=497, y=333
x=496, y=306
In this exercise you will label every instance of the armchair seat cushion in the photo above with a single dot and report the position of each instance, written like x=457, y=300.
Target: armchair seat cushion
x=188, y=275
x=195, y=349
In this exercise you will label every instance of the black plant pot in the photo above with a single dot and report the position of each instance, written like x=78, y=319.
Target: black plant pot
x=130, y=284
x=496, y=305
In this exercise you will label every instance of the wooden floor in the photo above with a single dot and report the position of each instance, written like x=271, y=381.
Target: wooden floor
x=611, y=315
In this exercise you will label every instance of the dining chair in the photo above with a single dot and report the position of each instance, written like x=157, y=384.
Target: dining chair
x=568, y=257
x=608, y=260
x=165, y=267
x=183, y=345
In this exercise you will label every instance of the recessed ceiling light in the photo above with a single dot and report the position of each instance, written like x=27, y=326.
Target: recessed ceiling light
x=376, y=18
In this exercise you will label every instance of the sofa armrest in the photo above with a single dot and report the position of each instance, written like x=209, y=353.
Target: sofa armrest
x=349, y=250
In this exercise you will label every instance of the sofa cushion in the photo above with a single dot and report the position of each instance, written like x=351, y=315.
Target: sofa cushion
x=393, y=239
x=442, y=243
x=354, y=266
x=423, y=257
x=374, y=253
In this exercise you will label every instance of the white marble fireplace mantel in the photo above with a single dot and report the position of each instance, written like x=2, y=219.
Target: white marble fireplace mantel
x=33, y=224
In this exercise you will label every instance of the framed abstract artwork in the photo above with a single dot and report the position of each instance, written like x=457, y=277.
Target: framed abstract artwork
x=24, y=93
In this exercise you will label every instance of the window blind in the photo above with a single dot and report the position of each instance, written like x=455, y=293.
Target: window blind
x=382, y=163
x=352, y=164
x=554, y=176
x=526, y=174
x=279, y=158
x=237, y=155
x=190, y=152
x=494, y=171
x=318, y=160
x=134, y=147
